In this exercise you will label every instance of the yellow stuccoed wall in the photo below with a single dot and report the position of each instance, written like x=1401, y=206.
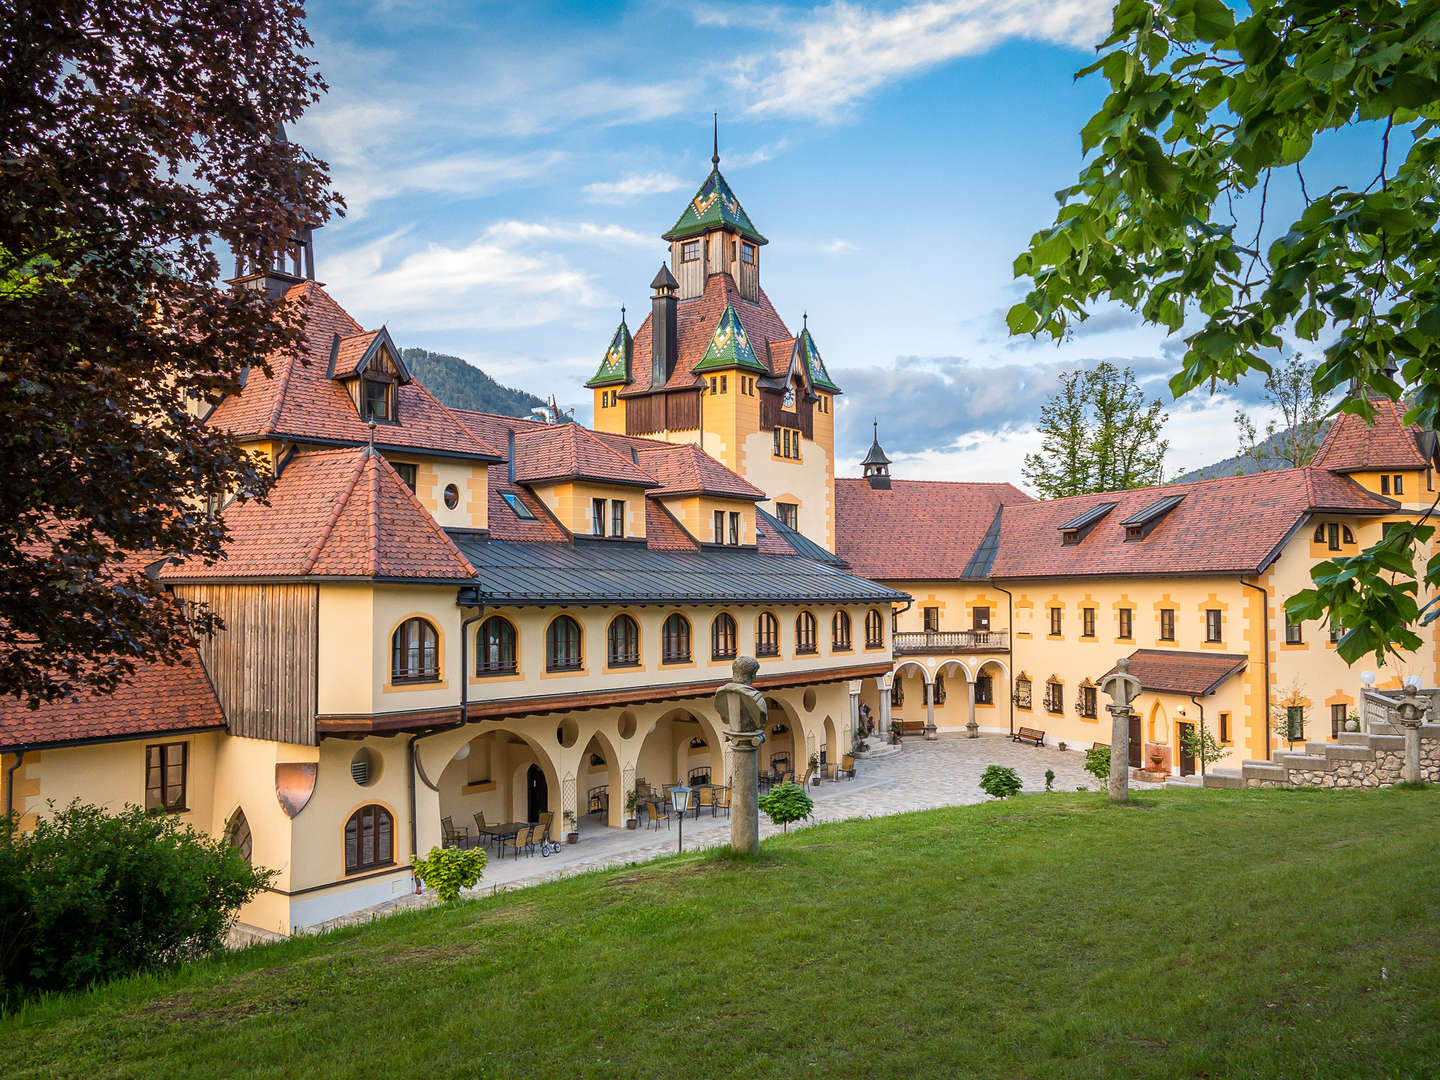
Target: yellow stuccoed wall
x=569, y=501
x=434, y=475
x=697, y=514
x=808, y=482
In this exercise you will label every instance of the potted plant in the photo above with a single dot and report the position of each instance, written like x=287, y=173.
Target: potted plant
x=630, y=809
x=572, y=832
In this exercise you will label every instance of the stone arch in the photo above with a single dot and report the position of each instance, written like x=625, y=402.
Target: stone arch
x=610, y=802
x=831, y=741
x=659, y=762
x=461, y=787
x=791, y=742
x=1159, y=726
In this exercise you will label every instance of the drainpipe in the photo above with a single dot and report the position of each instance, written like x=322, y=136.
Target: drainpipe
x=1010, y=629
x=1199, y=705
x=464, y=693
x=1265, y=645
x=10, y=780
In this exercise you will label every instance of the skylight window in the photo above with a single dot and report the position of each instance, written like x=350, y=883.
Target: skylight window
x=521, y=510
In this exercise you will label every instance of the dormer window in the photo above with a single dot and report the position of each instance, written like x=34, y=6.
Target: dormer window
x=690, y=251
x=379, y=401
x=1139, y=526
x=1077, y=528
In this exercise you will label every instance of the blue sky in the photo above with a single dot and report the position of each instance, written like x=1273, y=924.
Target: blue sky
x=510, y=167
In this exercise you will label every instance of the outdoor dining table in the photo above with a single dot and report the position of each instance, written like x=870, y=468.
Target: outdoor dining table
x=505, y=830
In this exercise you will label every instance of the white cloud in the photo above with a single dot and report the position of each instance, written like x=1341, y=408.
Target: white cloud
x=633, y=187
x=846, y=51
x=587, y=232
x=366, y=180
x=837, y=247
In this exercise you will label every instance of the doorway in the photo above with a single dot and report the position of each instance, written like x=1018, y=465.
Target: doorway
x=537, y=793
x=1136, y=748
x=1183, y=733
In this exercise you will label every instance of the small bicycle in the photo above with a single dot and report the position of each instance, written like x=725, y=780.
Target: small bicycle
x=548, y=847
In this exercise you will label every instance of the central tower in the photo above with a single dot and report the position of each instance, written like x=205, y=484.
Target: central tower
x=714, y=364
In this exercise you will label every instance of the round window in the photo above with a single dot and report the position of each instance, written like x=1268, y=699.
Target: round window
x=452, y=496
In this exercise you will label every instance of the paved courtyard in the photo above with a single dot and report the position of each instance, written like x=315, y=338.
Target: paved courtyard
x=921, y=775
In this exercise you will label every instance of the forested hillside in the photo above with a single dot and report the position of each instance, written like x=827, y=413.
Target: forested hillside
x=464, y=386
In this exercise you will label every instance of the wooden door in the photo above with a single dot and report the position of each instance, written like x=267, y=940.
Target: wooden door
x=537, y=793
x=1136, y=749
x=1187, y=760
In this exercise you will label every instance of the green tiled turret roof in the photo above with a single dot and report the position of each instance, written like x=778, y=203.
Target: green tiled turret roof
x=714, y=207
x=615, y=368
x=730, y=347
x=819, y=377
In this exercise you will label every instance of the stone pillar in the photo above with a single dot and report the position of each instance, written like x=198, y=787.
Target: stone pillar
x=854, y=714
x=1409, y=714
x=972, y=728
x=930, y=733
x=884, y=729
x=745, y=790
x=1122, y=688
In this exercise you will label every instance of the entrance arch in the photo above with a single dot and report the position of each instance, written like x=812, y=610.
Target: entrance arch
x=504, y=774
x=537, y=793
x=599, y=793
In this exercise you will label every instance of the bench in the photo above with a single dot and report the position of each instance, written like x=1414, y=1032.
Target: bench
x=1033, y=736
x=1099, y=746
x=909, y=727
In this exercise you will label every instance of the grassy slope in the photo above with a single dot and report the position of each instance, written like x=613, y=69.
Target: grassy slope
x=1198, y=934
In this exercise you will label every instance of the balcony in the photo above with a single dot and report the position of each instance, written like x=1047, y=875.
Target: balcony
x=951, y=641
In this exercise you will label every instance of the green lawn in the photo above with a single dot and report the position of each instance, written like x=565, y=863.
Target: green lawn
x=1214, y=934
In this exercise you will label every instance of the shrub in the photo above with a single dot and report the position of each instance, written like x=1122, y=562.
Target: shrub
x=1097, y=764
x=999, y=782
x=785, y=803
x=89, y=895
x=1049, y=779
x=448, y=870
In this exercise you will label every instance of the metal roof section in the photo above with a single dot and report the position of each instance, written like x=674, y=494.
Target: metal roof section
x=1089, y=517
x=984, y=557
x=1140, y=524
x=518, y=574
x=802, y=544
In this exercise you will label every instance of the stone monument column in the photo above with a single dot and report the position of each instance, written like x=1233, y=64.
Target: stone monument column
x=743, y=710
x=971, y=727
x=884, y=730
x=1123, y=688
x=1410, y=713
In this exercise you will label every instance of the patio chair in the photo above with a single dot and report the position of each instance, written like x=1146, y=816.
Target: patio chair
x=847, y=767
x=705, y=797
x=787, y=778
x=809, y=775
x=453, y=837
x=722, y=801
x=659, y=811
x=482, y=831
x=521, y=841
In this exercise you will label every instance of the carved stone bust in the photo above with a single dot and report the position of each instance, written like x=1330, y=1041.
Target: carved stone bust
x=751, y=711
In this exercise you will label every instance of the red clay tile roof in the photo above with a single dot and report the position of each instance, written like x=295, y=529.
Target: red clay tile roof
x=504, y=524
x=299, y=401
x=1168, y=671
x=1351, y=445
x=157, y=698
x=917, y=530
x=333, y=513
x=571, y=452
x=1231, y=524
x=664, y=533
x=351, y=351
x=697, y=319
x=685, y=469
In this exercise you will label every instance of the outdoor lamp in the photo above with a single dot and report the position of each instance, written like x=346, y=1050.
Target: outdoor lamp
x=463, y=752
x=1367, y=679
x=1412, y=682
x=680, y=797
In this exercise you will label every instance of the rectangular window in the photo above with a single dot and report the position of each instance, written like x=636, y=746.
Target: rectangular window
x=1088, y=702
x=747, y=254
x=1212, y=624
x=1087, y=622
x=1384, y=485
x=1337, y=720
x=1293, y=635
x=723, y=388
x=690, y=251
x=1167, y=624
x=520, y=510
x=408, y=473
x=1054, y=697
x=1225, y=727
x=1332, y=536
x=617, y=517
x=932, y=619
x=377, y=400
x=1057, y=622
x=734, y=527
x=165, y=765
x=1336, y=632
x=984, y=690
x=714, y=385
x=789, y=514
x=1127, y=624
x=776, y=433
x=1295, y=723
x=719, y=526
x=597, y=517
x=1398, y=485
x=980, y=618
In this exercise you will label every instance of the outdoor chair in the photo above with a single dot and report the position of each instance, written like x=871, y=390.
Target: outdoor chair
x=544, y=822
x=847, y=767
x=521, y=841
x=722, y=801
x=451, y=836
x=659, y=811
x=705, y=797
x=787, y=778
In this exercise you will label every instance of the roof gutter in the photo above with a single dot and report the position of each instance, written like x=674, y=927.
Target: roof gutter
x=1201, y=755
x=1265, y=646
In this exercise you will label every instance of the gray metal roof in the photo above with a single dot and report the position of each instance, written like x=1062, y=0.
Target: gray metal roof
x=515, y=573
x=801, y=543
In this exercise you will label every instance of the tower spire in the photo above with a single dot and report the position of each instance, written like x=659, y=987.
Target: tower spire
x=876, y=465
x=715, y=157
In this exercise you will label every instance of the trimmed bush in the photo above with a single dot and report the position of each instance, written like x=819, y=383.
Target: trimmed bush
x=785, y=803
x=89, y=895
x=1097, y=764
x=999, y=782
x=448, y=870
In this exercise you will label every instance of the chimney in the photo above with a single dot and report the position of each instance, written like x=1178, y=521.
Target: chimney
x=664, y=327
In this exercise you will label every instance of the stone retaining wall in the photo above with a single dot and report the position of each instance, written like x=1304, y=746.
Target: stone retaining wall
x=1356, y=761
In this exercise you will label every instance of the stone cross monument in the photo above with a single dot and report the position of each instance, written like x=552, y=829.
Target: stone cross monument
x=1410, y=714
x=1123, y=688
x=742, y=709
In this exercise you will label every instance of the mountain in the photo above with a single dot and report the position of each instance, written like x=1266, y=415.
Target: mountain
x=1238, y=465
x=464, y=386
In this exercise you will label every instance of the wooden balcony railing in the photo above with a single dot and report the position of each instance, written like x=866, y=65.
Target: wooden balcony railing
x=951, y=641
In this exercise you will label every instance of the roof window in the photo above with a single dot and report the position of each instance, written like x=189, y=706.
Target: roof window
x=1077, y=528
x=1139, y=525
x=521, y=510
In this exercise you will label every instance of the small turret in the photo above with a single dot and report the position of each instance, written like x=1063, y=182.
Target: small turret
x=664, y=327
x=876, y=464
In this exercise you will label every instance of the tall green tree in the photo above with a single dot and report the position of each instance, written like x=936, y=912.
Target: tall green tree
x=1292, y=441
x=1210, y=116
x=1099, y=434
x=137, y=148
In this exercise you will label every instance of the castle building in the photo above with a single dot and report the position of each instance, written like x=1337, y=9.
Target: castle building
x=442, y=619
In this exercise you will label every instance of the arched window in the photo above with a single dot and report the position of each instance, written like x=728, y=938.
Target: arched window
x=874, y=630
x=415, y=652
x=237, y=834
x=369, y=839
x=840, y=631
x=805, y=633
x=495, y=647
x=984, y=689
x=623, y=642
x=675, y=640
x=724, y=638
x=937, y=690
x=562, y=645
x=767, y=635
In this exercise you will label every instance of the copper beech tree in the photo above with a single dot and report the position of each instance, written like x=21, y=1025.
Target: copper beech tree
x=137, y=150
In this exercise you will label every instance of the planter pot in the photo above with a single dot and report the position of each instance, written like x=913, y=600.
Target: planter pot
x=572, y=837
x=630, y=823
